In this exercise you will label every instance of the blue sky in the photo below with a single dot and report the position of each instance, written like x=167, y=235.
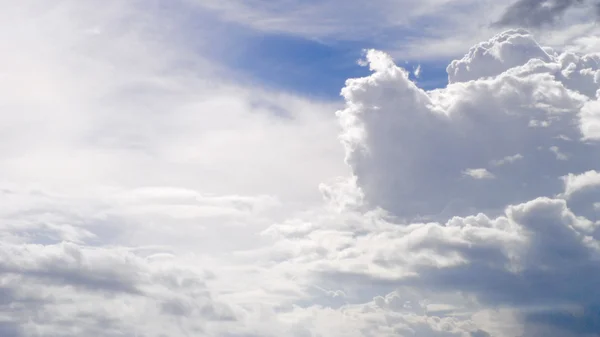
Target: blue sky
x=312, y=67
x=295, y=64
x=315, y=66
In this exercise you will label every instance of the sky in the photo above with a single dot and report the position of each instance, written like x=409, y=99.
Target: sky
x=249, y=168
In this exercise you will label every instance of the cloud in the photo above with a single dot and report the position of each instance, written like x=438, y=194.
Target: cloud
x=155, y=196
x=417, y=71
x=507, y=160
x=536, y=13
x=493, y=57
x=105, y=291
x=478, y=255
x=326, y=19
x=431, y=30
x=578, y=182
x=521, y=260
x=450, y=26
x=479, y=173
x=409, y=148
x=129, y=163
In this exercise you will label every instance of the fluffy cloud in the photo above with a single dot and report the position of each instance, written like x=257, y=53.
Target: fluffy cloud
x=513, y=255
x=523, y=261
x=409, y=149
x=518, y=266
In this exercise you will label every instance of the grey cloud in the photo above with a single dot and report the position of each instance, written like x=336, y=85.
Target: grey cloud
x=579, y=322
x=42, y=284
x=69, y=264
x=537, y=13
x=537, y=259
x=552, y=254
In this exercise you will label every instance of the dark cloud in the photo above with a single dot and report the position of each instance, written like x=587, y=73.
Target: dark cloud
x=584, y=322
x=537, y=13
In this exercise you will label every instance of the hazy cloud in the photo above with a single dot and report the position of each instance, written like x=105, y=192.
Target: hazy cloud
x=537, y=13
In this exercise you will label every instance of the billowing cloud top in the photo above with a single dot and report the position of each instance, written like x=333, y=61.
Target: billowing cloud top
x=505, y=160
x=514, y=119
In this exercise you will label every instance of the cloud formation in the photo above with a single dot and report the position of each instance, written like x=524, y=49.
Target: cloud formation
x=538, y=13
x=410, y=150
x=166, y=202
x=499, y=256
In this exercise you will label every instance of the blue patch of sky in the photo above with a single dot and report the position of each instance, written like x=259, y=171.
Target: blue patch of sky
x=299, y=65
x=432, y=75
x=285, y=62
x=314, y=68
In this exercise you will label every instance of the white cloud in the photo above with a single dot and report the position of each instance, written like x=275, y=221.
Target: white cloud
x=480, y=116
x=130, y=166
x=502, y=52
x=578, y=182
x=479, y=173
x=507, y=160
x=446, y=27
x=408, y=149
x=559, y=155
x=417, y=71
x=590, y=120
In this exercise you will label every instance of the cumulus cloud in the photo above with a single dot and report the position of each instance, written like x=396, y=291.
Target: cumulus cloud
x=486, y=257
x=578, y=182
x=521, y=261
x=409, y=148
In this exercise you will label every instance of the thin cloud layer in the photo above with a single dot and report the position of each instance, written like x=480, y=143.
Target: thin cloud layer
x=537, y=13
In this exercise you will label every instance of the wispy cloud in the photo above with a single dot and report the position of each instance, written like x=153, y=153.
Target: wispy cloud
x=538, y=13
x=479, y=173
